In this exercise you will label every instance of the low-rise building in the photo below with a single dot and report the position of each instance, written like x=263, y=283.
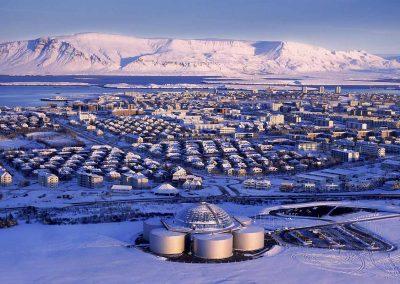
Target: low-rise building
x=308, y=145
x=121, y=189
x=257, y=183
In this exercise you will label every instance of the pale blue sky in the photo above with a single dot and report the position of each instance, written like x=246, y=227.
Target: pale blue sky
x=372, y=25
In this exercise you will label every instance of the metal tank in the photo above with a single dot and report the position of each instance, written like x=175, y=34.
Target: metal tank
x=248, y=238
x=150, y=224
x=165, y=242
x=213, y=246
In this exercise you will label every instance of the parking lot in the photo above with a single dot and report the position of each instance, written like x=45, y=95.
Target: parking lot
x=348, y=237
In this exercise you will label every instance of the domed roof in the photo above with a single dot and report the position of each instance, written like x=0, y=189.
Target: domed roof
x=202, y=217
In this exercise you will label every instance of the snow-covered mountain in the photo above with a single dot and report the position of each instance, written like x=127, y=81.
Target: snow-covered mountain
x=95, y=53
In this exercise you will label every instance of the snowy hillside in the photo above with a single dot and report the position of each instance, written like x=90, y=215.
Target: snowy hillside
x=94, y=53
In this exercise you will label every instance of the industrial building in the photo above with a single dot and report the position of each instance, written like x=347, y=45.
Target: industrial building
x=206, y=231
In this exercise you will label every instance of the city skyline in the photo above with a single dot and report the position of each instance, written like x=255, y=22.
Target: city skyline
x=339, y=25
x=206, y=141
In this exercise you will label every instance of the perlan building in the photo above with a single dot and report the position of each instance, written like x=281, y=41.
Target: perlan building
x=203, y=231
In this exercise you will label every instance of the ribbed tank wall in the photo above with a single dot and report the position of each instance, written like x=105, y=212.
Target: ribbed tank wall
x=248, y=238
x=216, y=246
x=164, y=242
x=149, y=225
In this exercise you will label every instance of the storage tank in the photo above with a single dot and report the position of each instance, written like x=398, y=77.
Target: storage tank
x=149, y=225
x=165, y=242
x=248, y=238
x=210, y=246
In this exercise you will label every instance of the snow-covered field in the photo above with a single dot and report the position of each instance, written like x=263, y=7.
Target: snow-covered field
x=157, y=86
x=364, y=78
x=16, y=143
x=43, y=84
x=100, y=253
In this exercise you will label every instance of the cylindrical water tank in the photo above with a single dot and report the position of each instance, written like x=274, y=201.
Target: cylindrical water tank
x=149, y=225
x=244, y=220
x=213, y=246
x=165, y=242
x=248, y=238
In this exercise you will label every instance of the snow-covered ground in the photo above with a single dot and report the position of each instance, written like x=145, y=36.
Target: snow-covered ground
x=16, y=143
x=157, y=86
x=41, y=196
x=99, y=254
x=43, y=84
x=289, y=82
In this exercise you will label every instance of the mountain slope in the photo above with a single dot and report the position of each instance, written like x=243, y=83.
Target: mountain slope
x=94, y=53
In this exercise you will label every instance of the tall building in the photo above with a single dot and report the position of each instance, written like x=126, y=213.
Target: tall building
x=338, y=90
x=89, y=180
x=293, y=118
x=47, y=179
x=346, y=155
x=356, y=125
x=5, y=177
x=325, y=122
x=274, y=106
x=321, y=89
x=275, y=119
x=371, y=149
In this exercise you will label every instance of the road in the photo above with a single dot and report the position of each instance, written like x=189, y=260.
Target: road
x=83, y=133
x=348, y=222
x=226, y=198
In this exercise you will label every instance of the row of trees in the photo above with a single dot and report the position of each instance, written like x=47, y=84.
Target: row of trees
x=8, y=221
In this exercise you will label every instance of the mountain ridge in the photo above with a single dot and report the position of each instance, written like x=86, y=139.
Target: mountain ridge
x=100, y=54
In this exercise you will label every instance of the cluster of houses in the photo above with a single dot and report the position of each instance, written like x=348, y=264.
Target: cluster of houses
x=96, y=165
x=142, y=128
x=233, y=156
x=340, y=179
x=224, y=132
x=12, y=122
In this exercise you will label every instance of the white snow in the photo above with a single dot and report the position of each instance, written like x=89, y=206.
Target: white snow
x=96, y=53
x=157, y=86
x=43, y=84
x=99, y=254
x=18, y=143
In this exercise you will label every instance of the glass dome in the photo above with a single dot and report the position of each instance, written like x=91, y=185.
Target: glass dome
x=202, y=217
